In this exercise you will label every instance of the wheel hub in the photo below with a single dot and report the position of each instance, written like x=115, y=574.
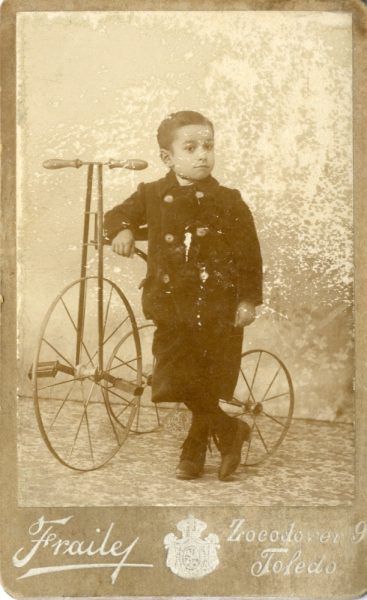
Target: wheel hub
x=258, y=408
x=253, y=408
x=84, y=371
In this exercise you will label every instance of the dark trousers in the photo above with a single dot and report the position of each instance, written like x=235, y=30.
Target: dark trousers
x=196, y=365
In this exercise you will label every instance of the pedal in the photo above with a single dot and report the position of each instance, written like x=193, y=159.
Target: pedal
x=45, y=369
x=122, y=384
x=50, y=369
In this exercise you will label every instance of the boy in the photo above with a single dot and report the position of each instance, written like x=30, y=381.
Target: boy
x=203, y=283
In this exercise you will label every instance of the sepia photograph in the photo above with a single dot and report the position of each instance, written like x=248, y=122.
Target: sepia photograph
x=183, y=350
x=185, y=258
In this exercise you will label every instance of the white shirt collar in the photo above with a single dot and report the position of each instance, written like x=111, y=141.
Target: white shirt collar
x=183, y=181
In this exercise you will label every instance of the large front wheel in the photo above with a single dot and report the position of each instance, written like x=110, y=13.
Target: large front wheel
x=73, y=390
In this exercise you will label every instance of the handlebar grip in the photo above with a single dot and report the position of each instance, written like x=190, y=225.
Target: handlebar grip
x=59, y=163
x=133, y=164
x=116, y=164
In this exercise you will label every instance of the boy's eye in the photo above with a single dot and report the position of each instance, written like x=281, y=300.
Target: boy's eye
x=208, y=145
x=190, y=148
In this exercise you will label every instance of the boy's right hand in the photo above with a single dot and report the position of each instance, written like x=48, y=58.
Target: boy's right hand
x=124, y=243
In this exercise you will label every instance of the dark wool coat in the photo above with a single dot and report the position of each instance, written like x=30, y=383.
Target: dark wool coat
x=203, y=259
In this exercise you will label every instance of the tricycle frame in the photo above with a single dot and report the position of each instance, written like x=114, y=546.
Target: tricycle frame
x=121, y=413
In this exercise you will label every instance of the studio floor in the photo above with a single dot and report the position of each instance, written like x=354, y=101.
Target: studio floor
x=314, y=466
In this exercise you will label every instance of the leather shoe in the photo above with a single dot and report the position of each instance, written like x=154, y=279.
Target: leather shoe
x=192, y=459
x=187, y=469
x=231, y=455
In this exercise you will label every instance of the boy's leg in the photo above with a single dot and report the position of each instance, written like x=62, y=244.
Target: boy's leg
x=197, y=368
x=192, y=458
x=224, y=349
x=177, y=378
x=177, y=363
x=230, y=434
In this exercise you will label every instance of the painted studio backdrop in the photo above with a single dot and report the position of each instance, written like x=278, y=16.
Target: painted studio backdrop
x=278, y=88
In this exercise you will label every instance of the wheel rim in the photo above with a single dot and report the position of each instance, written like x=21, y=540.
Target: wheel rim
x=72, y=402
x=149, y=417
x=264, y=398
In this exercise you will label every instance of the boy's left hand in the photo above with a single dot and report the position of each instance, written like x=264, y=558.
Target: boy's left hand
x=245, y=314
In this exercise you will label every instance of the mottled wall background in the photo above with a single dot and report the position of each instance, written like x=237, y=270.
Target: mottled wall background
x=278, y=87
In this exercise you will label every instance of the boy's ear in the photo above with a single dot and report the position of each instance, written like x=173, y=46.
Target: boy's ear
x=166, y=157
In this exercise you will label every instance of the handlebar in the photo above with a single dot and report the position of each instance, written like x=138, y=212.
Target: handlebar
x=137, y=251
x=134, y=164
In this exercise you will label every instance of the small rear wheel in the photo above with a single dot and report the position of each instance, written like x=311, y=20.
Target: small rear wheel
x=264, y=398
x=149, y=417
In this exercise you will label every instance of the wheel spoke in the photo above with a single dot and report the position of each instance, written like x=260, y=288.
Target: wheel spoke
x=110, y=391
x=122, y=362
x=271, y=383
x=123, y=410
x=127, y=363
x=119, y=366
x=107, y=339
x=57, y=352
x=250, y=440
x=248, y=386
x=273, y=418
x=110, y=417
x=62, y=404
x=76, y=435
x=255, y=373
x=127, y=403
x=276, y=396
x=76, y=329
x=261, y=437
x=52, y=385
x=93, y=356
x=83, y=416
x=114, y=331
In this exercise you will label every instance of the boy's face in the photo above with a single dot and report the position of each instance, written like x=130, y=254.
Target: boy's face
x=191, y=155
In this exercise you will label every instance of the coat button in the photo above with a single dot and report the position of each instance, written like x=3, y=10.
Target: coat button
x=168, y=198
x=204, y=275
x=169, y=238
x=201, y=231
x=165, y=278
x=199, y=195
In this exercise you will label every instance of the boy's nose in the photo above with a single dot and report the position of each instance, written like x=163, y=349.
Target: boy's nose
x=202, y=152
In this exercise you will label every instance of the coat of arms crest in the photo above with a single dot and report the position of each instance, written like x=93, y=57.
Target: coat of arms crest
x=190, y=556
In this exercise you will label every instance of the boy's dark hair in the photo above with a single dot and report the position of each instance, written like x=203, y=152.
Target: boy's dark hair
x=169, y=125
